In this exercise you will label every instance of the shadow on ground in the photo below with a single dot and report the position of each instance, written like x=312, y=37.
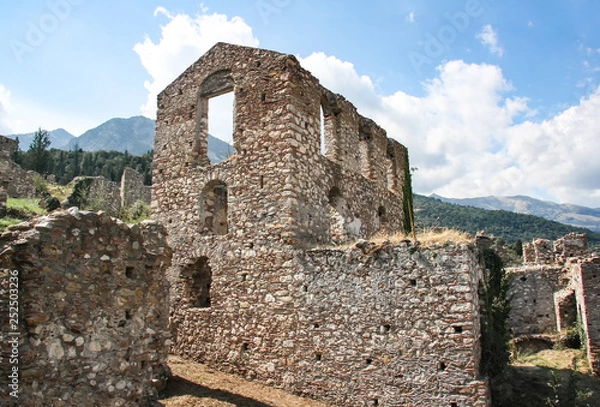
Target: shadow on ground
x=535, y=386
x=178, y=386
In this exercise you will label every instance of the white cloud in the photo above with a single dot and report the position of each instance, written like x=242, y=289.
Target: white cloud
x=489, y=38
x=5, y=110
x=184, y=39
x=18, y=115
x=464, y=137
x=411, y=17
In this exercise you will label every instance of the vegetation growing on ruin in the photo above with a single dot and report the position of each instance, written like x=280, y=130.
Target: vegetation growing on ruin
x=494, y=314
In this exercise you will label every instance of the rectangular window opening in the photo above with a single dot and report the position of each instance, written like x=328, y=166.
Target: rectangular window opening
x=220, y=127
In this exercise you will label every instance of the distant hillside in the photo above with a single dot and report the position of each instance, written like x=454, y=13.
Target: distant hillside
x=580, y=216
x=60, y=139
x=134, y=135
x=432, y=212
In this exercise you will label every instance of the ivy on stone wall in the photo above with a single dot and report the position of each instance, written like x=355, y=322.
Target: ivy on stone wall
x=407, y=198
x=496, y=306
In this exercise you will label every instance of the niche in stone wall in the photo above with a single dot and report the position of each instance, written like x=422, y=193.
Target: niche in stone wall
x=213, y=208
x=365, y=136
x=328, y=127
x=197, y=278
x=390, y=167
x=337, y=216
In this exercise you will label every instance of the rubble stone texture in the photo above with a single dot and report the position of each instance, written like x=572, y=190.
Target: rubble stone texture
x=133, y=188
x=564, y=283
x=17, y=182
x=532, y=304
x=368, y=325
x=92, y=302
x=3, y=200
x=586, y=276
x=99, y=193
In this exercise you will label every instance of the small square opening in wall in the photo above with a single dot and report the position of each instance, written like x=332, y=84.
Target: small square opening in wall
x=318, y=356
x=458, y=329
x=129, y=272
x=442, y=366
x=413, y=283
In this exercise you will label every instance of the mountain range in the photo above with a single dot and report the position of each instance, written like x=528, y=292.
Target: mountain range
x=134, y=135
x=568, y=214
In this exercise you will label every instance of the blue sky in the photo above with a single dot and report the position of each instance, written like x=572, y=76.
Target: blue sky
x=490, y=97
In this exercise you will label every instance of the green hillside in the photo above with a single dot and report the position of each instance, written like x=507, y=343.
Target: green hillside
x=432, y=212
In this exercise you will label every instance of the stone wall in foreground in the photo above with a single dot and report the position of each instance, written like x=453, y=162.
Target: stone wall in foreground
x=92, y=310
x=370, y=325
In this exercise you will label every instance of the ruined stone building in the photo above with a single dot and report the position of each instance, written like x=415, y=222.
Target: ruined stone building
x=84, y=311
x=17, y=182
x=257, y=287
x=557, y=287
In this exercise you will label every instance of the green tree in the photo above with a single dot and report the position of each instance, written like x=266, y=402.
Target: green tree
x=38, y=156
x=496, y=306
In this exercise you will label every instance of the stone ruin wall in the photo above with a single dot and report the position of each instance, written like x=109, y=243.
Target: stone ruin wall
x=92, y=310
x=369, y=325
x=544, y=289
x=245, y=295
x=17, y=182
x=532, y=291
x=133, y=189
x=278, y=179
x=586, y=279
x=100, y=193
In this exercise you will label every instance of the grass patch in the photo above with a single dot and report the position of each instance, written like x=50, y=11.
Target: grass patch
x=548, y=378
x=6, y=222
x=28, y=206
x=61, y=192
x=427, y=238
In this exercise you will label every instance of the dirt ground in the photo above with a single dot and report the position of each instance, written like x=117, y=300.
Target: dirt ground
x=550, y=378
x=196, y=385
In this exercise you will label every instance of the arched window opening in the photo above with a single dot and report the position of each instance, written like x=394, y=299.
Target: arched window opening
x=197, y=279
x=213, y=208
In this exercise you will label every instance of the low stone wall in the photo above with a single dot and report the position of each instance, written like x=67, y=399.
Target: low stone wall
x=96, y=193
x=532, y=291
x=90, y=326
x=17, y=182
x=133, y=188
x=370, y=325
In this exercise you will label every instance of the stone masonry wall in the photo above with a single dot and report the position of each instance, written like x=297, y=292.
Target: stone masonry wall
x=278, y=180
x=586, y=276
x=92, y=310
x=532, y=291
x=17, y=182
x=133, y=188
x=96, y=193
x=369, y=325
